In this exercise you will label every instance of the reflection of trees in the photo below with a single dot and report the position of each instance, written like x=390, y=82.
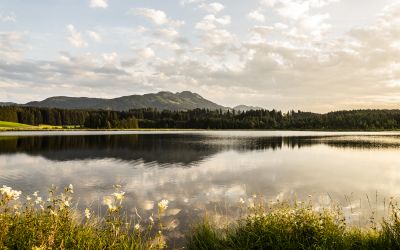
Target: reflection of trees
x=164, y=148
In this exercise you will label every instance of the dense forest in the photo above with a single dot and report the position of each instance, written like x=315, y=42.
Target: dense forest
x=204, y=119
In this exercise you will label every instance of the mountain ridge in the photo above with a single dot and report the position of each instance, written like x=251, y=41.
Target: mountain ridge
x=163, y=100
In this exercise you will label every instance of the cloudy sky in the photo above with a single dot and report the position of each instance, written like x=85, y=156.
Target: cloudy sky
x=316, y=55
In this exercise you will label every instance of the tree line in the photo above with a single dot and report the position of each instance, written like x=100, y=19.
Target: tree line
x=204, y=119
x=94, y=119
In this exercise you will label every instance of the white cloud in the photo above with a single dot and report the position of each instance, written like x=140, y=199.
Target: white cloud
x=213, y=8
x=98, y=4
x=110, y=58
x=293, y=10
x=257, y=16
x=146, y=53
x=210, y=22
x=296, y=9
x=10, y=43
x=75, y=38
x=11, y=17
x=95, y=36
x=184, y=2
x=158, y=17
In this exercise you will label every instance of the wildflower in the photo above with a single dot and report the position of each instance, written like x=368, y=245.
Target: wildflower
x=241, y=201
x=87, y=213
x=71, y=188
x=9, y=193
x=163, y=205
x=151, y=219
x=137, y=226
x=28, y=198
x=35, y=193
x=66, y=203
x=109, y=203
x=38, y=200
x=119, y=195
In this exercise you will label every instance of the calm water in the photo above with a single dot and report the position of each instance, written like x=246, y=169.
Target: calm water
x=211, y=171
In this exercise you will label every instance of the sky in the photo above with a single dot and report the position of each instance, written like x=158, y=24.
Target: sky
x=310, y=55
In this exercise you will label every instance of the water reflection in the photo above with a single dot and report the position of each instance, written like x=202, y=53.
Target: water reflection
x=185, y=149
x=204, y=171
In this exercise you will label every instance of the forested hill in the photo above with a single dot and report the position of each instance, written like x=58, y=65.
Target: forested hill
x=163, y=101
x=205, y=119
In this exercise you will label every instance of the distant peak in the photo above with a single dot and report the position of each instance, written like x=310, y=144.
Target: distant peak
x=189, y=94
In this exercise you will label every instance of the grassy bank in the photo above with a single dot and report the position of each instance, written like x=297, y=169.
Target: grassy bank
x=300, y=226
x=35, y=222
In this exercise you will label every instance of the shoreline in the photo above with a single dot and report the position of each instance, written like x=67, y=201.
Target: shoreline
x=183, y=130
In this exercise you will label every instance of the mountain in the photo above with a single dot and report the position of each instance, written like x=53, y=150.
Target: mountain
x=185, y=100
x=246, y=108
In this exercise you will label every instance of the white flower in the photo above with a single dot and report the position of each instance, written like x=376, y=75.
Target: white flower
x=66, y=203
x=151, y=219
x=35, y=193
x=109, y=203
x=137, y=226
x=87, y=213
x=65, y=200
x=241, y=201
x=9, y=193
x=119, y=195
x=163, y=205
x=28, y=198
x=38, y=200
x=71, y=188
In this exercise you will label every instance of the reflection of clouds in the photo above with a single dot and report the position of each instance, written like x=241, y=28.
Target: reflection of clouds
x=221, y=179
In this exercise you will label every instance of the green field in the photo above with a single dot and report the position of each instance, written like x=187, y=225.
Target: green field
x=10, y=126
x=13, y=125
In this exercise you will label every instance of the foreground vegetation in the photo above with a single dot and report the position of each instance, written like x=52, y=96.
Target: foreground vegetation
x=37, y=223
x=203, y=119
x=31, y=222
x=301, y=226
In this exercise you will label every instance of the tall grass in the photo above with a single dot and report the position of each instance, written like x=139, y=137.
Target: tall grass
x=32, y=222
x=296, y=226
x=52, y=224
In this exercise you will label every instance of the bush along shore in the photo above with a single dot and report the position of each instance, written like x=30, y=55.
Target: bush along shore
x=33, y=222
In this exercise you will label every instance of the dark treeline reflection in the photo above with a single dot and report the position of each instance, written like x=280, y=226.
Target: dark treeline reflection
x=183, y=149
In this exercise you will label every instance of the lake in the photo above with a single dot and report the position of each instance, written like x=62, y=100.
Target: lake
x=207, y=170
